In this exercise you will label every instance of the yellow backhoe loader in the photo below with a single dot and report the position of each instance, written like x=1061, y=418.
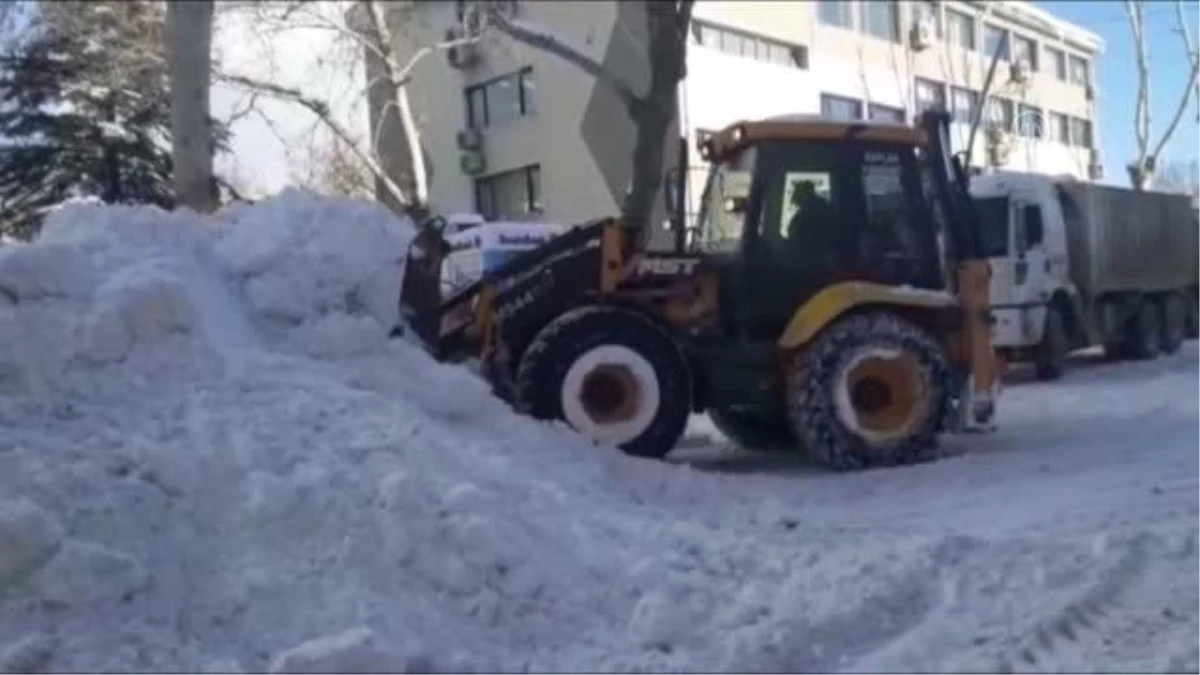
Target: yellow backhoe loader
x=834, y=299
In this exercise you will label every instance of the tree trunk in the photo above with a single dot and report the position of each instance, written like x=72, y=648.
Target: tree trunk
x=653, y=113
x=112, y=165
x=189, y=51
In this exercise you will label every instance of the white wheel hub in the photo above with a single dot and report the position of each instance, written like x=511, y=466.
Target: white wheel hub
x=611, y=394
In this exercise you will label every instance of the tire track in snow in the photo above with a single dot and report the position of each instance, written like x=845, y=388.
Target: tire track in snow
x=1085, y=614
x=895, y=603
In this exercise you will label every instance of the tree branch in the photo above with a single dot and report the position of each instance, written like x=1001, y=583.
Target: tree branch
x=1179, y=110
x=321, y=110
x=551, y=45
x=1141, y=123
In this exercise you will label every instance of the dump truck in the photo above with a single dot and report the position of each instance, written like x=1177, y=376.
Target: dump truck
x=1078, y=264
x=844, y=313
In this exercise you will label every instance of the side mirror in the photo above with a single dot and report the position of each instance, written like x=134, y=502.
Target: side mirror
x=734, y=205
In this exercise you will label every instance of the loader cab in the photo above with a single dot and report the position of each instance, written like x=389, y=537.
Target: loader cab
x=794, y=205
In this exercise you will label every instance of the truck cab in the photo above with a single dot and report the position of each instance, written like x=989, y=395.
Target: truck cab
x=1026, y=242
x=1076, y=264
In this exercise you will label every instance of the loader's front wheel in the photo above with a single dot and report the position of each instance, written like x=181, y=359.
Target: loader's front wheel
x=753, y=430
x=612, y=375
x=872, y=390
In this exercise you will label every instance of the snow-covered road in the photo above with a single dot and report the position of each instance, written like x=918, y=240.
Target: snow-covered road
x=1108, y=454
x=210, y=455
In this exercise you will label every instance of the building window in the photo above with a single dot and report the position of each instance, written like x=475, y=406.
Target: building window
x=841, y=108
x=995, y=40
x=930, y=95
x=960, y=29
x=501, y=100
x=1081, y=133
x=886, y=113
x=963, y=104
x=1029, y=121
x=749, y=45
x=1058, y=62
x=835, y=13
x=515, y=195
x=1025, y=49
x=999, y=113
x=1079, y=71
x=881, y=19
x=927, y=10
x=1058, y=128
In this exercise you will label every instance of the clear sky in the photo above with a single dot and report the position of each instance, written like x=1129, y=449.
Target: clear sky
x=1116, y=77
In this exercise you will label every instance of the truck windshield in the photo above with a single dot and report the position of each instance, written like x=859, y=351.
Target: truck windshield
x=716, y=228
x=993, y=225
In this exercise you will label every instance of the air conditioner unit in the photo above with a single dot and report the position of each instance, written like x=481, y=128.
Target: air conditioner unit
x=1094, y=156
x=472, y=162
x=922, y=34
x=1089, y=93
x=469, y=139
x=1096, y=171
x=464, y=56
x=1020, y=70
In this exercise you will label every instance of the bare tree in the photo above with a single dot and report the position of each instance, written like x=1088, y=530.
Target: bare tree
x=651, y=111
x=1179, y=176
x=333, y=167
x=1142, y=168
x=189, y=54
x=367, y=29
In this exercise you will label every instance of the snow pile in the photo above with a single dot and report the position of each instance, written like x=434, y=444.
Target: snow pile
x=214, y=461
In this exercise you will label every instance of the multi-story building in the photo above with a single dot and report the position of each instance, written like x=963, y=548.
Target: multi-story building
x=517, y=132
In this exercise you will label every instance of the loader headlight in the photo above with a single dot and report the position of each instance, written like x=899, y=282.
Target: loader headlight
x=739, y=134
x=706, y=150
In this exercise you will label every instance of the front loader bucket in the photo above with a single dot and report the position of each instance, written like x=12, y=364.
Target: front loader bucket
x=421, y=286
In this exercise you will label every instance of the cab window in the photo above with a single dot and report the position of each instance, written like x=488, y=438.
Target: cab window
x=993, y=225
x=855, y=212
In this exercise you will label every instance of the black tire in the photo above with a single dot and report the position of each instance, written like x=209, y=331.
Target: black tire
x=1144, y=337
x=1050, y=356
x=1172, y=319
x=570, y=338
x=755, y=430
x=1191, y=324
x=813, y=395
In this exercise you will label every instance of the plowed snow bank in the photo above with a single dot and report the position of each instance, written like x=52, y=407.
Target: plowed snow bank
x=211, y=459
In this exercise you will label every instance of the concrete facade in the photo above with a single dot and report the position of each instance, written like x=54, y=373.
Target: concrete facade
x=746, y=59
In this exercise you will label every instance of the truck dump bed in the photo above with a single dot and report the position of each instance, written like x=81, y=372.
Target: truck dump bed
x=1120, y=240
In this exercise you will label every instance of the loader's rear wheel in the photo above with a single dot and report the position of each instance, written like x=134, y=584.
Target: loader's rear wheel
x=755, y=430
x=871, y=390
x=612, y=375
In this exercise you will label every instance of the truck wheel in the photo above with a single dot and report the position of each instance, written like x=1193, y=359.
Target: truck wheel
x=754, y=430
x=1144, y=335
x=1050, y=356
x=612, y=375
x=1191, y=324
x=870, y=391
x=1172, y=320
